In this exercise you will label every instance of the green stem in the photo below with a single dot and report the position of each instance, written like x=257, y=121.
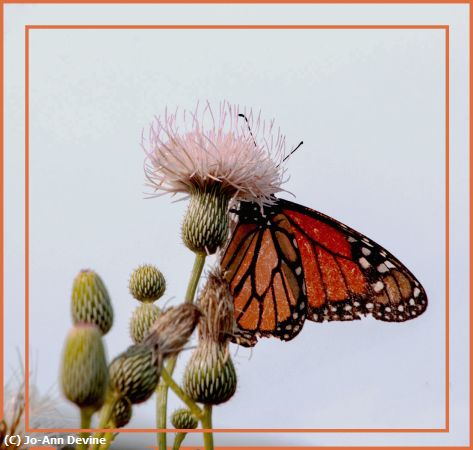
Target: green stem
x=85, y=420
x=196, y=411
x=178, y=440
x=207, y=425
x=195, y=276
x=105, y=416
x=109, y=438
x=162, y=389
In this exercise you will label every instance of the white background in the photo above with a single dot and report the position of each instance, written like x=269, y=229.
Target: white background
x=370, y=107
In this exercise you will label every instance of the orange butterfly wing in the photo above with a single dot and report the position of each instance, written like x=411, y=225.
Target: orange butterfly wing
x=290, y=262
x=263, y=269
x=348, y=275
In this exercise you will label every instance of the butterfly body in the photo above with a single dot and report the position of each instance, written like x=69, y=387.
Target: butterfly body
x=286, y=263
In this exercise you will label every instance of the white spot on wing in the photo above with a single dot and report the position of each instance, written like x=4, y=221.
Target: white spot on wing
x=364, y=263
x=366, y=251
x=382, y=268
x=378, y=286
x=367, y=242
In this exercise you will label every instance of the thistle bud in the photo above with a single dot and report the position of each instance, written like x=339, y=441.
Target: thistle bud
x=121, y=413
x=135, y=373
x=205, y=225
x=84, y=372
x=142, y=320
x=147, y=283
x=182, y=419
x=210, y=375
x=91, y=302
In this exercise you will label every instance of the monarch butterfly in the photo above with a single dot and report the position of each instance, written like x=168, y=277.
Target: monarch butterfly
x=287, y=263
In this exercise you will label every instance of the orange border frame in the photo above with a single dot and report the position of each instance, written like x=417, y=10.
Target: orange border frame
x=446, y=192
x=237, y=27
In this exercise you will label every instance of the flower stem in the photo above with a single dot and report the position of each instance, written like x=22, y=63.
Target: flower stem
x=178, y=440
x=105, y=416
x=162, y=389
x=85, y=420
x=109, y=438
x=207, y=425
x=195, y=276
x=196, y=411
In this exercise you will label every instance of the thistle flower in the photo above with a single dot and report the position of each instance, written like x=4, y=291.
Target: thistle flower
x=142, y=320
x=90, y=301
x=210, y=375
x=121, y=413
x=84, y=374
x=214, y=160
x=147, y=283
x=135, y=373
x=182, y=419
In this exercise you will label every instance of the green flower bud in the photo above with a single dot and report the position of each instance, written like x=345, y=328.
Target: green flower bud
x=121, y=414
x=91, y=302
x=135, y=373
x=147, y=283
x=205, y=226
x=182, y=419
x=210, y=375
x=84, y=373
x=141, y=321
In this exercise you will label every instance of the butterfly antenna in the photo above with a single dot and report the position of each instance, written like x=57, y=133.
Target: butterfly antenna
x=249, y=128
x=292, y=151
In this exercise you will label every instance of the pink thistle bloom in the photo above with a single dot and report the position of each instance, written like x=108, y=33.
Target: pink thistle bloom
x=188, y=151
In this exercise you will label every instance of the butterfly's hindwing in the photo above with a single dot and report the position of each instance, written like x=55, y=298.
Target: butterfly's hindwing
x=265, y=276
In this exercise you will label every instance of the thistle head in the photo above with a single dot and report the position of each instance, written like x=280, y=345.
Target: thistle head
x=90, y=301
x=214, y=157
x=189, y=150
x=210, y=376
x=135, y=373
x=121, y=412
x=84, y=373
x=142, y=320
x=183, y=419
x=147, y=283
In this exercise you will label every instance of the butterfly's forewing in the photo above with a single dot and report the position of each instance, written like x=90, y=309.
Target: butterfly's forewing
x=348, y=275
x=264, y=271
